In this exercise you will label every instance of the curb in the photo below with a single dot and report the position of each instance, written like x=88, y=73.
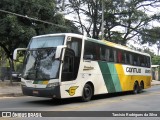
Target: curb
x=8, y=84
x=155, y=84
x=11, y=95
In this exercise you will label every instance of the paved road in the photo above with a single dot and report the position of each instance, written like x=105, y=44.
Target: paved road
x=146, y=101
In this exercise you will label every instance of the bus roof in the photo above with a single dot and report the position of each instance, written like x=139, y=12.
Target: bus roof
x=104, y=42
x=59, y=34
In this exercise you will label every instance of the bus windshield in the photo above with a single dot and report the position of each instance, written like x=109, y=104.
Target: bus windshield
x=46, y=41
x=40, y=64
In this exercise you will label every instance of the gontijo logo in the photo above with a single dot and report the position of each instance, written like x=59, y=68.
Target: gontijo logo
x=72, y=90
x=133, y=70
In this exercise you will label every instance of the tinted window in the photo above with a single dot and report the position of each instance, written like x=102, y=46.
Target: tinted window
x=96, y=51
x=119, y=56
x=103, y=53
x=148, y=62
x=91, y=51
x=111, y=55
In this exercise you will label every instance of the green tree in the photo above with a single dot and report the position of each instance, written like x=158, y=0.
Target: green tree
x=127, y=15
x=21, y=19
x=156, y=60
x=151, y=35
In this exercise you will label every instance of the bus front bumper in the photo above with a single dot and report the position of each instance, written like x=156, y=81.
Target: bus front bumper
x=53, y=92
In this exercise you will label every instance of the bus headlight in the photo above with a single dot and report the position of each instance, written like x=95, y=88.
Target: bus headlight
x=53, y=84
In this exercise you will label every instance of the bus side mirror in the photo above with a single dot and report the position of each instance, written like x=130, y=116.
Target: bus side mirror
x=16, y=51
x=59, y=51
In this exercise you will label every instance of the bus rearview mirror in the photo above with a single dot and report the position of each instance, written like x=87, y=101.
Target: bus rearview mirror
x=16, y=51
x=59, y=51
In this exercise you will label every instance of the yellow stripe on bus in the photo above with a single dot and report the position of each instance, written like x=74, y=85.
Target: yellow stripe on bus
x=127, y=81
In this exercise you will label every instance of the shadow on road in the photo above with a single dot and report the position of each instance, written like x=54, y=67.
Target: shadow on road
x=59, y=102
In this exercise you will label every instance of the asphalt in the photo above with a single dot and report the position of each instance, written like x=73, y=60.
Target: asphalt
x=14, y=89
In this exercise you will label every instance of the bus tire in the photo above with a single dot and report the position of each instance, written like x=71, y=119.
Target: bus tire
x=135, y=88
x=141, y=87
x=87, y=93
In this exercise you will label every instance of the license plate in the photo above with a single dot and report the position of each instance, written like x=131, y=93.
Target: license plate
x=35, y=92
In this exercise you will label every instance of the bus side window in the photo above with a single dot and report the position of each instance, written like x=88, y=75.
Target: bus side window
x=91, y=51
x=115, y=56
x=145, y=61
x=127, y=58
x=142, y=61
x=88, y=51
x=135, y=61
x=123, y=57
x=119, y=56
x=138, y=60
x=111, y=55
x=131, y=59
x=148, y=62
x=102, y=53
x=107, y=52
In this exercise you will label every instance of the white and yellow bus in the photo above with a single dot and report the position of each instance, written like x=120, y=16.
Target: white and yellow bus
x=69, y=65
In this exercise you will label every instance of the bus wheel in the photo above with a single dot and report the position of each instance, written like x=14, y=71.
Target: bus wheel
x=87, y=93
x=141, y=87
x=135, y=88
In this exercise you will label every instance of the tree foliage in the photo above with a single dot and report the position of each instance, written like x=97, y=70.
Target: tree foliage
x=123, y=19
x=151, y=36
x=17, y=27
x=156, y=60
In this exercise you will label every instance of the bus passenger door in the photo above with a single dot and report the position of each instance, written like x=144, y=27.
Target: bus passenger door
x=68, y=66
x=68, y=74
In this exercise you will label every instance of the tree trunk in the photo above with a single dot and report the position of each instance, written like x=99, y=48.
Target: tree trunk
x=11, y=69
